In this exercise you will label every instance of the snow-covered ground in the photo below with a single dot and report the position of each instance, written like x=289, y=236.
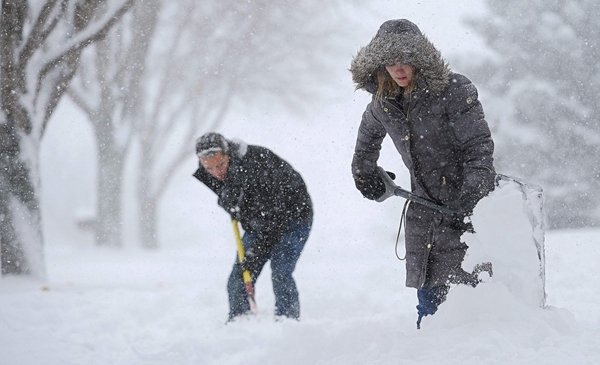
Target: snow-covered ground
x=169, y=307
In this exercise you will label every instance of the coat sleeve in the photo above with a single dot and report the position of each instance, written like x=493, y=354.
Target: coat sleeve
x=474, y=140
x=368, y=143
x=262, y=247
x=207, y=180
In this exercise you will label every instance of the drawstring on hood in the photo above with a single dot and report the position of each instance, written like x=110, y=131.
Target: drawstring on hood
x=400, y=41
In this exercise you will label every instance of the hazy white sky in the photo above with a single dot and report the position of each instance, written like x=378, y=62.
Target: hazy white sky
x=440, y=20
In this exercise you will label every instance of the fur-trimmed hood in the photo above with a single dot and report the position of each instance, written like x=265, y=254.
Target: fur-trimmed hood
x=400, y=41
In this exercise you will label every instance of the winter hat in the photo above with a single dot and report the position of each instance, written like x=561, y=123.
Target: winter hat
x=398, y=26
x=400, y=40
x=211, y=143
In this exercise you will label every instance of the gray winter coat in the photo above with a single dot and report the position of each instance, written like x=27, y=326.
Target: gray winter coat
x=440, y=131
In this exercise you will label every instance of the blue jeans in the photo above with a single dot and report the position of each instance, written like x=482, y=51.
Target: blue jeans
x=429, y=300
x=283, y=262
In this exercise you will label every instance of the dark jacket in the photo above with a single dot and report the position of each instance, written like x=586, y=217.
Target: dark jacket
x=444, y=141
x=440, y=131
x=269, y=193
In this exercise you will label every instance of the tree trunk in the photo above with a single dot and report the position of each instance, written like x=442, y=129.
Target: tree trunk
x=148, y=219
x=110, y=168
x=147, y=201
x=32, y=81
x=20, y=219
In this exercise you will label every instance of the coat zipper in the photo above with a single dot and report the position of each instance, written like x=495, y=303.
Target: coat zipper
x=399, y=109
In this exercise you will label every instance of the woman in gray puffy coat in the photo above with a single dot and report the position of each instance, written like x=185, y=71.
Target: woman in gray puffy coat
x=437, y=124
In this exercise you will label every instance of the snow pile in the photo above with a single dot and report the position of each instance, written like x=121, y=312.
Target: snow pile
x=169, y=307
x=505, y=235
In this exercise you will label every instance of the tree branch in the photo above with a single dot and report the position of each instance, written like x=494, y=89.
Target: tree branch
x=79, y=45
x=70, y=56
x=38, y=33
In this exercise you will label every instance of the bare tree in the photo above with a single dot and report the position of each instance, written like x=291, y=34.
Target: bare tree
x=40, y=45
x=210, y=55
x=174, y=69
x=107, y=89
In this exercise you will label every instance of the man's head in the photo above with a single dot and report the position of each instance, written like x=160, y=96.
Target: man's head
x=213, y=151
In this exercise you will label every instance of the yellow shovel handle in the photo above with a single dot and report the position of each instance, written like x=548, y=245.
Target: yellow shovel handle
x=240, y=249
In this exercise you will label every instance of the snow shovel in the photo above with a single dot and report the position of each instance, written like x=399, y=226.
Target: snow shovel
x=392, y=189
x=246, y=274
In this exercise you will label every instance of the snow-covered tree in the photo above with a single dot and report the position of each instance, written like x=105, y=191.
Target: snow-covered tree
x=544, y=82
x=173, y=72
x=40, y=45
x=108, y=91
x=210, y=57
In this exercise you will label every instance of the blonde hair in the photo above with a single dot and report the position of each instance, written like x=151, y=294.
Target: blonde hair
x=386, y=86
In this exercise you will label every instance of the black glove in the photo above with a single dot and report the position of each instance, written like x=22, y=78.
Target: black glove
x=229, y=200
x=464, y=208
x=371, y=186
x=458, y=223
x=258, y=254
x=240, y=267
x=467, y=204
x=250, y=262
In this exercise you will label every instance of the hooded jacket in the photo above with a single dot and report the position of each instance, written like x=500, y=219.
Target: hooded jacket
x=440, y=131
x=439, y=128
x=267, y=192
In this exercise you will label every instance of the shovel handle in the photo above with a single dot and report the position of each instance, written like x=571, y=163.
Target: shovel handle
x=245, y=274
x=391, y=189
